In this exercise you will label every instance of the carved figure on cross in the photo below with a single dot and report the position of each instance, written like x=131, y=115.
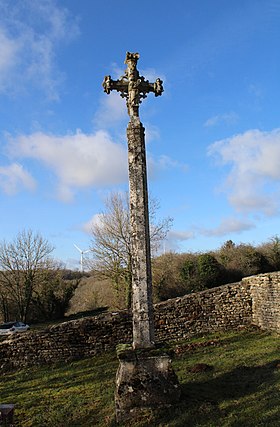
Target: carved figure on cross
x=132, y=86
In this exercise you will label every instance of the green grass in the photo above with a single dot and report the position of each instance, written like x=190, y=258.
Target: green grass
x=242, y=388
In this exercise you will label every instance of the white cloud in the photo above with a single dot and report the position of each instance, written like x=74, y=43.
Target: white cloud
x=8, y=55
x=152, y=133
x=29, y=36
x=175, y=238
x=180, y=236
x=227, y=118
x=253, y=182
x=229, y=225
x=151, y=74
x=81, y=160
x=163, y=163
x=95, y=219
x=78, y=160
x=111, y=111
x=14, y=177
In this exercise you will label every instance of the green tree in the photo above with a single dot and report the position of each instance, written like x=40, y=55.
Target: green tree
x=52, y=294
x=271, y=250
x=210, y=271
x=189, y=273
x=241, y=260
x=178, y=274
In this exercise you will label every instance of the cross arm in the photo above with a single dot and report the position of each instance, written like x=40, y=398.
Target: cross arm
x=119, y=85
x=156, y=87
x=144, y=86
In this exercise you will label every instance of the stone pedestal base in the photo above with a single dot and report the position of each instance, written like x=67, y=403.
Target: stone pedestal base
x=144, y=380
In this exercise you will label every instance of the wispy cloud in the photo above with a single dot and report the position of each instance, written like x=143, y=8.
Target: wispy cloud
x=253, y=182
x=152, y=133
x=151, y=74
x=255, y=90
x=14, y=178
x=30, y=33
x=163, y=163
x=180, y=236
x=8, y=55
x=78, y=160
x=175, y=238
x=166, y=162
x=228, y=226
x=88, y=226
x=257, y=93
x=226, y=118
x=112, y=110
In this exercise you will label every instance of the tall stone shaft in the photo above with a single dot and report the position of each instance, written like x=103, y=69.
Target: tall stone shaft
x=142, y=305
x=134, y=88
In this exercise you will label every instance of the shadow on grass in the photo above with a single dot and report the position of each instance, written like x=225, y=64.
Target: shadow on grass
x=249, y=391
x=77, y=393
x=240, y=381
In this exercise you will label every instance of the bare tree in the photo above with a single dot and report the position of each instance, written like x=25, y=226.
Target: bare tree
x=21, y=263
x=111, y=241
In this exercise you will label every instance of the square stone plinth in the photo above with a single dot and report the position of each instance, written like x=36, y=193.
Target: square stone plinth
x=144, y=380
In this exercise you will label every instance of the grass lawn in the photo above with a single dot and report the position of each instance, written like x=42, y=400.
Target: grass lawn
x=227, y=379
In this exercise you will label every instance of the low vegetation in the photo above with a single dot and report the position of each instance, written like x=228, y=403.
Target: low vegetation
x=227, y=379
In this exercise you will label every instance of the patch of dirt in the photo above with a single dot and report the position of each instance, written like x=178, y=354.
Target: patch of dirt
x=200, y=367
x=188, y=348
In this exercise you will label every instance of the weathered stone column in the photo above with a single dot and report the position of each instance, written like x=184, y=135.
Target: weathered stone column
x=142, y=307
x=145, y=378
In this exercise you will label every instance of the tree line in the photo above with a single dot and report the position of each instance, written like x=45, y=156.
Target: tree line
x=34, y=287
x=177, y=274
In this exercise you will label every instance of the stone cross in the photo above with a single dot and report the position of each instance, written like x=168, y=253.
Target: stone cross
x=134, y=88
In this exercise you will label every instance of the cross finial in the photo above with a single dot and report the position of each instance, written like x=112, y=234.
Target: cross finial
x=132, y=86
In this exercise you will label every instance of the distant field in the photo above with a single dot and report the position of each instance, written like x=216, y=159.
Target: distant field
x=228, y=379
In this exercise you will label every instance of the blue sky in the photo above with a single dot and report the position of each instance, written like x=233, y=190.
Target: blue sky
x=213, y=137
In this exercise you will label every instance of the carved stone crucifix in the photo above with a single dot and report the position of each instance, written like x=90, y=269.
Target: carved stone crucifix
x=134, y=88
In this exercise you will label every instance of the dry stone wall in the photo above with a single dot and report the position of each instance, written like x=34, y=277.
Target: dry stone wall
x=222, y=308
x=265, y=292
x=66, y=341
x=254, y=300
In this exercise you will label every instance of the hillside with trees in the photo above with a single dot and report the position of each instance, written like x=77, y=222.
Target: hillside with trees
x=177, y=274
x=35, y=288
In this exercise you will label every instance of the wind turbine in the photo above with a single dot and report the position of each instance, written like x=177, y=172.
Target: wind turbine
x=82, y=257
